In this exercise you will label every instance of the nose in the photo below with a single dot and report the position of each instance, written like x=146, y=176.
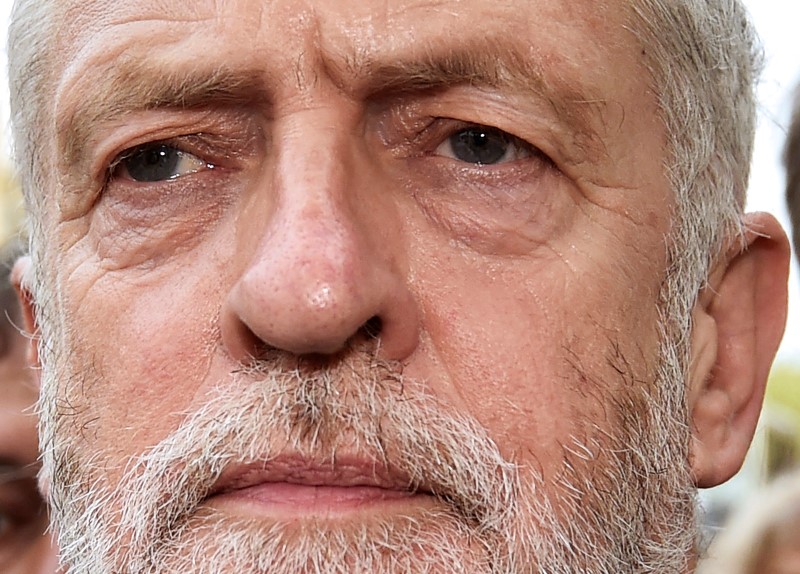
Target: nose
x=326, y=268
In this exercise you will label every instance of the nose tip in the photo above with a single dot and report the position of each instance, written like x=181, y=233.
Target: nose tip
x=319, y=307
x=298, y=319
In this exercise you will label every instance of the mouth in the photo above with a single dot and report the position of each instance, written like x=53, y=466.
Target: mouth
x=288, y=488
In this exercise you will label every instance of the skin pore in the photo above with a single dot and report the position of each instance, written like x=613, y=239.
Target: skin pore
x=335, y=288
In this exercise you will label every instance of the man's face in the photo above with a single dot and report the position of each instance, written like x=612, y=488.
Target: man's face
x=358, y=286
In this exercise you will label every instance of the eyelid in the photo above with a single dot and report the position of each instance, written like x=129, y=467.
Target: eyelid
x=220, y=139
x=231, y=140
x=199, y=130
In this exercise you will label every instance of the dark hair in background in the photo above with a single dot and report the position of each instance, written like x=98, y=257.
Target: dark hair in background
x=791, y=158
x=10, y=314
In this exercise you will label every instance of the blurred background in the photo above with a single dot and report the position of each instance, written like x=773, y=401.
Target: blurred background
x=777, y=445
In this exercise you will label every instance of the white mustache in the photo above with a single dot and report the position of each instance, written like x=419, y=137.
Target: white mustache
x=359, y=408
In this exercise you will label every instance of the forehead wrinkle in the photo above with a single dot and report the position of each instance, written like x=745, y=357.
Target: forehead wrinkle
x=132, y=85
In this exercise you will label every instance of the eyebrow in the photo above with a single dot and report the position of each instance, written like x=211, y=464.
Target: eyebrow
x=137, y=86
x=480, y=62
x=494, y=63
x=132, y=85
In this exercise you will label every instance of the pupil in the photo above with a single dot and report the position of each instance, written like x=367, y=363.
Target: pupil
x=479, y=145
x=153, y=163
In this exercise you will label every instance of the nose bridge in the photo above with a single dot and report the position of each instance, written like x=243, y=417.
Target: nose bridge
x=315, y=253
x=314, y=157
x=318, y=276
x=315, y=233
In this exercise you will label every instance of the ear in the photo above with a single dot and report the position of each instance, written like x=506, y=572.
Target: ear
x=20, y=278
x=738, y=322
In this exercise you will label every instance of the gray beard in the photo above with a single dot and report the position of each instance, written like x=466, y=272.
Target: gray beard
x=623, y=502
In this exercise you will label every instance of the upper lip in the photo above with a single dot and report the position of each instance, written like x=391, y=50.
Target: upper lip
x=344, y=471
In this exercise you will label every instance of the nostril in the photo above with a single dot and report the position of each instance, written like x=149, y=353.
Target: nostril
x=372, y=328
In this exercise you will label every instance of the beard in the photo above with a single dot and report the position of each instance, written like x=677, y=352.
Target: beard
x=622, y=501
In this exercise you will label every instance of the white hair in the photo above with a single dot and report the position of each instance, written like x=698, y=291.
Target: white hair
x=704, y=58
x=620, y=504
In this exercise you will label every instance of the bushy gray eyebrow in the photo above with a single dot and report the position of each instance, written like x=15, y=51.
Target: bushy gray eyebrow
x=132, y=84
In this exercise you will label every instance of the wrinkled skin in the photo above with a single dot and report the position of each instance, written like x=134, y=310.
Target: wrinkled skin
x=327, y=208
x=323, y=200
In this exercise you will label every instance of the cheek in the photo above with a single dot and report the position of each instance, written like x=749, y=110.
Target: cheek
x=500, y=347
x=150, y=344
x=535, y=352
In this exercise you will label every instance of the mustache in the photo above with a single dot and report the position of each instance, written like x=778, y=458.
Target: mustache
x=359, y=405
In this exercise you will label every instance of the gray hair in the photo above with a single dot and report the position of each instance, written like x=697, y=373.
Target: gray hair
x=29, y=48
x=703, y=63
x=704, y=58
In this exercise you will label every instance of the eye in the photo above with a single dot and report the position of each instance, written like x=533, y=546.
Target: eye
x=482, y=145
x=157, y=162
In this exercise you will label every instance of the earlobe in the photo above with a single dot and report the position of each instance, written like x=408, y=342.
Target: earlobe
x=20, y=277
x=738, y=324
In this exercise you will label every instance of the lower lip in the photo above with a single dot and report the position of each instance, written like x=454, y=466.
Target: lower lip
x=287, y=500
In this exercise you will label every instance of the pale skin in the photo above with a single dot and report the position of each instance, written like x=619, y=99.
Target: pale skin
x=326, y=190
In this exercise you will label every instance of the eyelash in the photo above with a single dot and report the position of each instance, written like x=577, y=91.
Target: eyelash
x=177, y=147
x=170, y=159
x=428, y=138
x=429, y=134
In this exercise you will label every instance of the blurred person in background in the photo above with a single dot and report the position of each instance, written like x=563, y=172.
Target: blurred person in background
x=763, y=536
x=25, y=546
x=791, y=158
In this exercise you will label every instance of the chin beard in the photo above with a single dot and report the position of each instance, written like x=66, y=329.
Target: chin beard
x=620, y=504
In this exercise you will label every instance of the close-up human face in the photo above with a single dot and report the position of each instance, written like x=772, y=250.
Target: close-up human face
x=25, y=546
x=358, y=287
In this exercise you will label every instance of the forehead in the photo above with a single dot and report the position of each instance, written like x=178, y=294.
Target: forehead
x=362, y=19
x=578, y=40
x=577, y=62
x=578, y=57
